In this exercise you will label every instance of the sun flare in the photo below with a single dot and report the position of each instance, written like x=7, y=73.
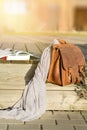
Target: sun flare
x=15, y=7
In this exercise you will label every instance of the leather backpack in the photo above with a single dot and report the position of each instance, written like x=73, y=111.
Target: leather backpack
x=67, y=64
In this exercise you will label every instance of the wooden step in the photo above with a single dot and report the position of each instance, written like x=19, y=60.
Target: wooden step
x=58, y=98
x=12, y=83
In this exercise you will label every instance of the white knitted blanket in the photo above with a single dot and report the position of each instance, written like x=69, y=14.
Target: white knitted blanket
x=33, y=101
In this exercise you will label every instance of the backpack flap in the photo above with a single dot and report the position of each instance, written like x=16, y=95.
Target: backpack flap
x=73, y=63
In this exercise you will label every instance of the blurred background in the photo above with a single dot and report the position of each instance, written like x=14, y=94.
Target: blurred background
x=43, y=15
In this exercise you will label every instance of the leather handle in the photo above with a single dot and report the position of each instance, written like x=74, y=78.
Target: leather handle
x=62, y=41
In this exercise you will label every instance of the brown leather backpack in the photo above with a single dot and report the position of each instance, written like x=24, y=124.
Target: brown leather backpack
x=67, y=64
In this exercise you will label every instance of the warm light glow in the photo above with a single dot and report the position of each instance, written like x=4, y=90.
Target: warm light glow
x=15, y=7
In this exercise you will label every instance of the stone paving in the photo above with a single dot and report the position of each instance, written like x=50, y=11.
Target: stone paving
x=51, y=120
